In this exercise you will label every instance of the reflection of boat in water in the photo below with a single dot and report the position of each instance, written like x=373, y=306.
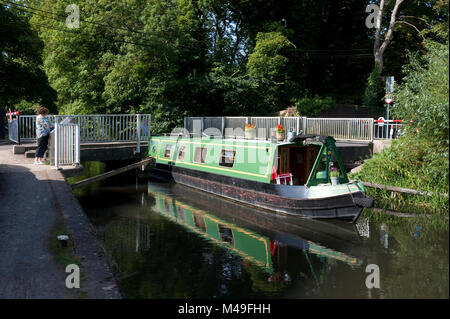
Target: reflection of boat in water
x=255, y=241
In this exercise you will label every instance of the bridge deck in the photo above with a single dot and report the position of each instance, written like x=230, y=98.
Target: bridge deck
x=96, y=151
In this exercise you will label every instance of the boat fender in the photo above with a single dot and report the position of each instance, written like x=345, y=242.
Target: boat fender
x=366, y=202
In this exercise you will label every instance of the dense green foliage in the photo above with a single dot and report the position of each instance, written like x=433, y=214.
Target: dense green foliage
x=200, y=57
x=373, y=93
x=208, y=57
x=411, y=163
x=312, y=106
x=424, y=96
x=420, y=159
x=22, y=77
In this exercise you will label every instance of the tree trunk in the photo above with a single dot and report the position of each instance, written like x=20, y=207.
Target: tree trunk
x=378, y=50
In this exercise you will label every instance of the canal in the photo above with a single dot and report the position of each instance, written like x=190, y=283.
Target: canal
x=169, y=241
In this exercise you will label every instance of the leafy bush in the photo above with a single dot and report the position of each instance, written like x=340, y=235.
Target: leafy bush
x=424, y=95
x=312, y=106
x=411, y=163
x=373, y=92
x=420, y=159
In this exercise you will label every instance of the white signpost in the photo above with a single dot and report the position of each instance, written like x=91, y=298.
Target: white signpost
x=389, y=98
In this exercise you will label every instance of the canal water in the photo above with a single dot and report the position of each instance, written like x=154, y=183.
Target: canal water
x=169, y=241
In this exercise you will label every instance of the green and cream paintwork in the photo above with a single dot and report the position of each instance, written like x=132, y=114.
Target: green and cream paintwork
x=253, y=161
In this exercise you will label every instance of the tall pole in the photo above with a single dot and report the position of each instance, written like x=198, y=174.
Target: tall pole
x=56, y=144
x=138, y=127
x=389, y=88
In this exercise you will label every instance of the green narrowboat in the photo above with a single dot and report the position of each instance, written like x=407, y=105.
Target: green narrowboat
x=293, y=177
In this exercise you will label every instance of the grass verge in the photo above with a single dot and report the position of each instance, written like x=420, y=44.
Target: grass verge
x=411, y=163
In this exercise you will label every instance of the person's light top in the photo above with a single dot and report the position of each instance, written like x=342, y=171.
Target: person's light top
x=43, y=126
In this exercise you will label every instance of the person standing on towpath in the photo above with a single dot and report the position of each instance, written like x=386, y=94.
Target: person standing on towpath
x=43, y=129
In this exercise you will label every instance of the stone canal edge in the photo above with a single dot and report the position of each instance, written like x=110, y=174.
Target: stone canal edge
x=100, y=281
x=36, y=205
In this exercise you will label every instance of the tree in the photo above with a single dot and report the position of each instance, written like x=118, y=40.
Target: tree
x=410, y=20
x=212, y=57
x=373, y=91
x=424, y=95
x=380, y=47
x=22, y=77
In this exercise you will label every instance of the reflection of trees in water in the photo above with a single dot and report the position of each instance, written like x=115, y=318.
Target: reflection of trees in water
x=147, y=255
x=159, y=258
x=418, y=265
x=125, y=235
x=293, y=269
x=412, y=263
x=160, y=269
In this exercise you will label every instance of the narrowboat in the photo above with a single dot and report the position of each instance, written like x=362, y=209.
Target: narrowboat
x=288, y=177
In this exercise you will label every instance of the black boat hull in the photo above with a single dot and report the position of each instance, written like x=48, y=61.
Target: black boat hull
x=281, y=199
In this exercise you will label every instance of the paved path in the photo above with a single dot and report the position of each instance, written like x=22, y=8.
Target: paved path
x=33, y=199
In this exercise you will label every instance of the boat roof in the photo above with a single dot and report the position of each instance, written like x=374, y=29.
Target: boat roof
x=306, y=138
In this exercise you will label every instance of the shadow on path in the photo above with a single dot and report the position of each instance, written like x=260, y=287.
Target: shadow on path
x=33, y=200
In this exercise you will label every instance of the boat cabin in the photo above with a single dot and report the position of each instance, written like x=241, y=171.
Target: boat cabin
x=308, y=161
x=304, y=160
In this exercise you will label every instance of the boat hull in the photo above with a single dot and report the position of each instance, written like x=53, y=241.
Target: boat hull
x=283, y=199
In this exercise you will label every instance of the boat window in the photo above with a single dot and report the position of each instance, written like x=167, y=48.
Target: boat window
x=167, y=150
x=227, y=158
x=199, y=222
x=181, y=152
x=152, y=146
x=181, y=213
x=166, y=205
x=226, y=234
x=200, y=154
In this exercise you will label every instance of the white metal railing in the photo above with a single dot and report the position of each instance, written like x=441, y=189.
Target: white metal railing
x=387, y=129
x=357, y=129
x=96, y=127
x=233, y=126
x=341, y=128
x=66, y=144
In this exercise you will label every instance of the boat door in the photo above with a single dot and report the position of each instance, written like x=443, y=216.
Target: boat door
x=284, y=161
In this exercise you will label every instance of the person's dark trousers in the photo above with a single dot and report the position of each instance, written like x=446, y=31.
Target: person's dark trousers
x=42, y=146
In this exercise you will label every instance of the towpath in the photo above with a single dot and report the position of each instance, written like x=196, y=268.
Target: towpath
x=34, y=200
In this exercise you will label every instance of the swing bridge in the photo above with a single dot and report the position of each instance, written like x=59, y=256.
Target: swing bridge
x=77, y=138
x=102, y=137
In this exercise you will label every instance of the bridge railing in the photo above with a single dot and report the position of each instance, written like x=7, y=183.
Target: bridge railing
x=388, y=129
x=360, y=129
x=95, y=127
x=353, y=129
x=233, y=126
